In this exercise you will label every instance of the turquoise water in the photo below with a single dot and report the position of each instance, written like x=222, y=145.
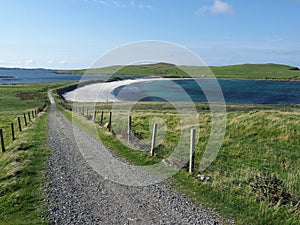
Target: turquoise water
x=234, y=91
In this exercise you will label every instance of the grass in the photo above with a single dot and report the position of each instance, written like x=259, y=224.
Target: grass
x=243, y=71
x=257, y=71
x=15, y=100
x=22, y=179
x=258, y=138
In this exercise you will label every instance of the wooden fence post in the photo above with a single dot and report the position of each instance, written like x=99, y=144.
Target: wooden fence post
x=25, y=119
x=2, y=141
x=32, y=114
x=129, y=128
x=12, y=131
x=192, y=151
x=95, y=114
x=29, y=116
x=19, y=122
x=110, y=121
x=101, y=119
x=153, y=139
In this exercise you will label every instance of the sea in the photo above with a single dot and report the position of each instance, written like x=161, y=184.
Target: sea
x=24, y=76
x=233, y=91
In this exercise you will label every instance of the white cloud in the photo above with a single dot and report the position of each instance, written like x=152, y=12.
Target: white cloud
x=30, y=62
x=218, y=7
x=221, y=7
x=62, y=62
x=101, y=2
x=142, y=6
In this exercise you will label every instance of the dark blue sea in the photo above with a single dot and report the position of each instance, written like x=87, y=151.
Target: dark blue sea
x=234, y=91
x=23, y=76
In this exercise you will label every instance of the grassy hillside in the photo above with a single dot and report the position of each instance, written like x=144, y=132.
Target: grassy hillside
x=257, y=71
x=244, y=71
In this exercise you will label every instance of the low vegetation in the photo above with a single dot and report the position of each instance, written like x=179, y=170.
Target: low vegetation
x=255, y=178
x=16, y=100
x=22, y=179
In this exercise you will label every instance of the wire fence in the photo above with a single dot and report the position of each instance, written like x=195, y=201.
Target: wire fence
x=18, y=125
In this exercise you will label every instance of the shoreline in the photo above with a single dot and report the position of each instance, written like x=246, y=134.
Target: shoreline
x=101, y=92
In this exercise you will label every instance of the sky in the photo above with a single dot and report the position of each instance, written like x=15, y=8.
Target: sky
x=64, y=34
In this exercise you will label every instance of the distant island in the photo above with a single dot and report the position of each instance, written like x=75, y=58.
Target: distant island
x=243, y=71
x=19, y=68
x=7, y=77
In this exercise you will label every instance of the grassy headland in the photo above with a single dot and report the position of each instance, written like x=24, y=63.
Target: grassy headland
x=244, y=71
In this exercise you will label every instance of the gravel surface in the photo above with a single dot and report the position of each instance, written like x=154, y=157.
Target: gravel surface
x=79, y=195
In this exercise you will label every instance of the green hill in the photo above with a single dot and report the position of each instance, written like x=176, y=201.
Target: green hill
x=257, y=71
x=243, y=71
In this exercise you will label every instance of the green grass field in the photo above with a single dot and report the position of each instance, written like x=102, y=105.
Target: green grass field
x=22, y=179
x=258, y=139
x=15, y=101
x=244, y=71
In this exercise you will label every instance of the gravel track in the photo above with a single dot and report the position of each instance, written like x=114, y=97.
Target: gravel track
x=79, y=195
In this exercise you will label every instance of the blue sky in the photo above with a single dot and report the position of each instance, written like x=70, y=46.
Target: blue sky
x=75, y=33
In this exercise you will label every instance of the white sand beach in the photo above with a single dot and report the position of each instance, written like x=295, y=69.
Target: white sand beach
x=100, y=92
